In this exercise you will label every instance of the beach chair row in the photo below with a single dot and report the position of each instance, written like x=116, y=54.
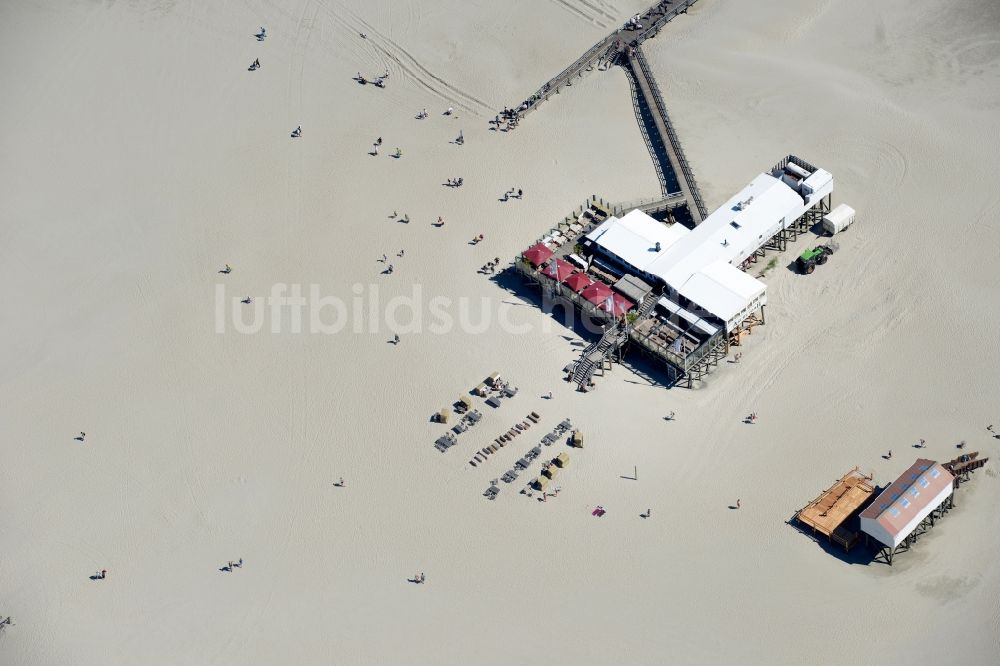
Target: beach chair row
x=503, y=439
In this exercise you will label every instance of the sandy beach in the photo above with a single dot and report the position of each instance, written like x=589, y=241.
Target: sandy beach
x=141, y=157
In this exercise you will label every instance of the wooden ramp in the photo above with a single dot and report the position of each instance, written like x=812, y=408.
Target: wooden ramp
x=964, y=465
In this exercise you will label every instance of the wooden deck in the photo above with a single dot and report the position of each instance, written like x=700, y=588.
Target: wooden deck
x=827, y=513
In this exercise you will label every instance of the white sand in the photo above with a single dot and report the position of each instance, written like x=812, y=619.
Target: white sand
x=140, y=156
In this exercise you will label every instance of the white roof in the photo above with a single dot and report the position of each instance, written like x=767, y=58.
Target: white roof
x=633, y=238
x=734, y=279
x=722, y=289
x=690, y=317
x=732, y=232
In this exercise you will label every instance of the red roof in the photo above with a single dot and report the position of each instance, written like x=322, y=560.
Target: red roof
x=597, y=293
x=620, y=307
x=558, y=269
x=908, y=496
x=578, y=282
x=537, y=254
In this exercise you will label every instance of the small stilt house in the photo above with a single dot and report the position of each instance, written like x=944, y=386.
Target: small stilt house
x=899, y=513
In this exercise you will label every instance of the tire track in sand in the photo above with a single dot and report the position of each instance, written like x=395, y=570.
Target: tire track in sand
x=599, y=17
x=409, y=65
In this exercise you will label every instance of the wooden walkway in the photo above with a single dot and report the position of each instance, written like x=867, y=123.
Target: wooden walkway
x=677, y=183
x=675, y=175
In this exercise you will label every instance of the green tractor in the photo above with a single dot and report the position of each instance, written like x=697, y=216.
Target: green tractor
x=808, y=260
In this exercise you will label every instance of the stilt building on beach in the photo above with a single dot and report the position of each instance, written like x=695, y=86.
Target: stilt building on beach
x=681, y=295
x=905, y=510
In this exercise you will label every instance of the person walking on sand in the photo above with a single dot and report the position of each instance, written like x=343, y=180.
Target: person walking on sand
x=889, y=457
x=374, y=149
x=395, y=338
x=738, y=503
x=423, y=578
x=240, y=563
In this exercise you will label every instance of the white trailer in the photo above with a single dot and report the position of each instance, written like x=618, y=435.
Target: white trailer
x=838, y=219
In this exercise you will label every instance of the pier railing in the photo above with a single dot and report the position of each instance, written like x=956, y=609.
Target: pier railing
x=661, y=109
x=637, y=96
x=650, y=204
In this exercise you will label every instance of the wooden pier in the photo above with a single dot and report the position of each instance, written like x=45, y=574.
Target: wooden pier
x=623, y=47
x=672, y=167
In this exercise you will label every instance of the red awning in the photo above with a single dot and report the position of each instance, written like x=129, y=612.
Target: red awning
x=537, y=254
x=558, y=269
x=597, y=293
x=619, y=304
x=578, y=282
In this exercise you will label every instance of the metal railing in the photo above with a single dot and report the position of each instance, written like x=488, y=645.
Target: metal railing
x=649, y=203
x=675, y=141
x=636, y=104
